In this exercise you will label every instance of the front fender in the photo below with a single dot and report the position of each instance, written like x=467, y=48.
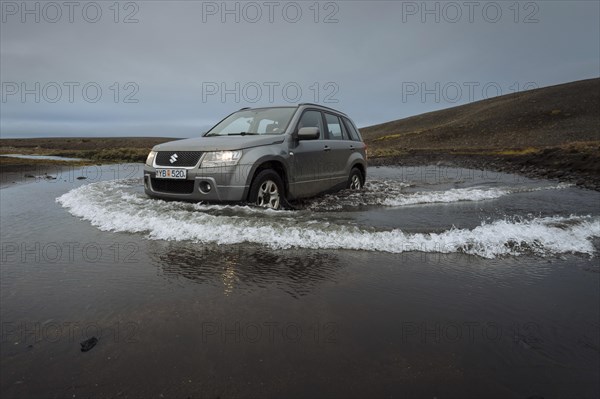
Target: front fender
x=273, y=155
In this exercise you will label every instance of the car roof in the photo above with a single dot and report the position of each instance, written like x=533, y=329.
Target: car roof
x=306, y=105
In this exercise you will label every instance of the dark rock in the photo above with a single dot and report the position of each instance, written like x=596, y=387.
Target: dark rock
x=88, y=344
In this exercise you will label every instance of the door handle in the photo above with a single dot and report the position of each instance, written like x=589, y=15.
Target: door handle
x=327, y=148
x=352, y=148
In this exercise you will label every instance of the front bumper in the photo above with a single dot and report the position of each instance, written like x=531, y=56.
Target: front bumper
x=202, y=184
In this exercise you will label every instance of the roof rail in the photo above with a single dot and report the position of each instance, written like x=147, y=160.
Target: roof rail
x=322, y=106
x=241, y=109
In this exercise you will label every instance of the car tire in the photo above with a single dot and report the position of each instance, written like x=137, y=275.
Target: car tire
x=356, y=181
x=267, y=190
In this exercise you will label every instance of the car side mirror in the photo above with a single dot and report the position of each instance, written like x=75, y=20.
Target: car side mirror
x=308, y=133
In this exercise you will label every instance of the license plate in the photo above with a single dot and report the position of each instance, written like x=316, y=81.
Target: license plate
x=171, y=173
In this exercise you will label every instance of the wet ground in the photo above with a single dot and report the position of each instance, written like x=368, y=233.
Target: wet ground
x=432, y=282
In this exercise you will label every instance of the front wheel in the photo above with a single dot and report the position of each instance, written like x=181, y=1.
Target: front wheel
x=356, y=180
x=267, y=190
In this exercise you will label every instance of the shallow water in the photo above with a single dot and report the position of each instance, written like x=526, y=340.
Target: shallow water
x=431, y=282
x=42, y=157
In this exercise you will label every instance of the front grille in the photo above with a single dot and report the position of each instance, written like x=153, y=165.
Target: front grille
x=172, y=186
x=180, y=158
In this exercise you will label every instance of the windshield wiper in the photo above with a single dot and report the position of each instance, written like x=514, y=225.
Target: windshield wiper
x=242, y=134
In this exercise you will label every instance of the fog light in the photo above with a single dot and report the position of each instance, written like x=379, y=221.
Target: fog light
x=204, y=187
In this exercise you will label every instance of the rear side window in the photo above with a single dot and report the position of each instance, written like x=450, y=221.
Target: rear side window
x=335, y=130
x=312, y=119
x=354, y=134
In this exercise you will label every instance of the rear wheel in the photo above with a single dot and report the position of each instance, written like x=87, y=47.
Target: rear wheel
x=356, y=181
x=267, y=190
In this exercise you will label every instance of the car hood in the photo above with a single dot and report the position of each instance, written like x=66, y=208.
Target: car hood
x=219, y=143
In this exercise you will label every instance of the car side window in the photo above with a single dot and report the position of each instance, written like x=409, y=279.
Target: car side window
x=334, y=128
x=345, y=133
x=312, y=119
x=354, y=134
x=268, y=126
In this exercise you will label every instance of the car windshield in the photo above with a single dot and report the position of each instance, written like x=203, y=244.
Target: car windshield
x=254, y=122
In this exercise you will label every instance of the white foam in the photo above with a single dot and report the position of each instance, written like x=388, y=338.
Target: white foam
x=110, y=207
x=392, y=194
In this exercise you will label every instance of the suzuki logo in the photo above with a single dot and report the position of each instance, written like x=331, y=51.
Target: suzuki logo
x=173, y=158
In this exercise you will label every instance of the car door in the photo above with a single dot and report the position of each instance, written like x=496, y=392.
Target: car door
x=310, y=157
x=340, y=149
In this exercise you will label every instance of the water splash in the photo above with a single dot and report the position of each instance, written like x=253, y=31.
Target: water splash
x=113, y=206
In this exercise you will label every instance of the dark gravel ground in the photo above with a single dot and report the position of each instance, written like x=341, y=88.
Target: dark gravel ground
x=578, y=164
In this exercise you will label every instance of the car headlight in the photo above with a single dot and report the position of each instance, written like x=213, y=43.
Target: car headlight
x=150, y=159
x=221, y=158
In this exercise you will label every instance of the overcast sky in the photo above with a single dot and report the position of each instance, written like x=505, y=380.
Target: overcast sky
x=174, y=68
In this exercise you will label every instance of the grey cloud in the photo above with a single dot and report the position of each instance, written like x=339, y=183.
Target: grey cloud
x=364, y=62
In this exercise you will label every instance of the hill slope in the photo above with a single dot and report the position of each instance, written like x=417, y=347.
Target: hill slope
x=546, y=117
x=552, y=132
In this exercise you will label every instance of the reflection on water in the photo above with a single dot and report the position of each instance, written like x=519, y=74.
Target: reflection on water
x=247, y=268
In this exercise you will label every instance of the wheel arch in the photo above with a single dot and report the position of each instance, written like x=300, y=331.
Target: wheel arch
x=274, y=164
x=362, y=168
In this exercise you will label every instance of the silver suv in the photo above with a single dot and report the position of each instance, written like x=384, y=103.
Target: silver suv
x=263, y=156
